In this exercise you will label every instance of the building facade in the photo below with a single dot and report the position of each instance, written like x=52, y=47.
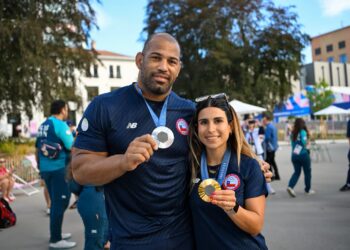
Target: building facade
x=112, y=71
x=333, y=46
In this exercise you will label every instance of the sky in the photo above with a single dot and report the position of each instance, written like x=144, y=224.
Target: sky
x=121, y=22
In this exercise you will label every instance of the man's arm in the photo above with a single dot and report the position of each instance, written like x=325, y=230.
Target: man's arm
x=97, y=168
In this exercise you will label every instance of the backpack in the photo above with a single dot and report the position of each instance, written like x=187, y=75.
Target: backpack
x=7, y=216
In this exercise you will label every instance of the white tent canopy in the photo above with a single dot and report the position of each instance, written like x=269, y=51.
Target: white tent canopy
x=245, y=108
x=332, y=110
x=340, y=90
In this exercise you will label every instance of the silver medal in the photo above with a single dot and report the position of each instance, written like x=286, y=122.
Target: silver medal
x=164, y=136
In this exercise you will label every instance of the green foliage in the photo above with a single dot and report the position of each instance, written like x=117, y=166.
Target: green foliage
x=320, y=97
x=248, y=48
x=17, y=147
x=41, y=48
x=7, y=147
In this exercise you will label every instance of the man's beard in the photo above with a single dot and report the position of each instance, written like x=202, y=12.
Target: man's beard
x=157, y=89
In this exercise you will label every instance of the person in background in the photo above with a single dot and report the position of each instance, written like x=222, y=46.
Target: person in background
x=47, y=197
x=228, y=195
x=255, y=142
x=300, y=157
x=72, y=128
x=271, y=144
x=6, y=181
x=53, y=145
x=346, y=187
x=92, y=210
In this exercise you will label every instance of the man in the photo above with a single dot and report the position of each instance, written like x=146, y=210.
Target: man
x=53, y=144
x=255, y=141
x=146, y=177
x=346, y=187
x=271, y=144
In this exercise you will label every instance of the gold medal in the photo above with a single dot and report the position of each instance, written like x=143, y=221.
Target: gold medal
x=206, y=188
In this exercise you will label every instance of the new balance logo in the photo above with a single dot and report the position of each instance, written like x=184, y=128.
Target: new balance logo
x=131, y=125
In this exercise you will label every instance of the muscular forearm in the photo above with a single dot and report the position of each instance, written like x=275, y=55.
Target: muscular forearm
x=96, y=169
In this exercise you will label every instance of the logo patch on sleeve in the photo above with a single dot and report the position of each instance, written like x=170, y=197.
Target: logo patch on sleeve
x=182, y=126
x=232, y=182
x=84, y=124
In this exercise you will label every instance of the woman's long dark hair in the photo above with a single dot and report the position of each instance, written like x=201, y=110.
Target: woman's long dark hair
x=299, y=125
x=236, y=139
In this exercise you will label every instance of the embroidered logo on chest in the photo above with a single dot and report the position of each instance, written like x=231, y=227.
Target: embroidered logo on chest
x=232, y=182
x=131, y=125
x=182, y=126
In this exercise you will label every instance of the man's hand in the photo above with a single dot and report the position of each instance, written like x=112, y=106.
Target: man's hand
x=139, y=150
x=265, y=167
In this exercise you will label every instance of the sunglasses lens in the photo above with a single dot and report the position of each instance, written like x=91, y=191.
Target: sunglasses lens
x=215, y=96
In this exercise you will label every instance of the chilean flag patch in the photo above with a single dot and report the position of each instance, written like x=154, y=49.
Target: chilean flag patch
x=182, y=126
x=232, y=182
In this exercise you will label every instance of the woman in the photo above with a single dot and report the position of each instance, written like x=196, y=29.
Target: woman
x=229, y=213
x=300, y=157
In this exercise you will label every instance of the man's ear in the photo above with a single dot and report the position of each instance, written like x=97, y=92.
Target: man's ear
x=139, y=60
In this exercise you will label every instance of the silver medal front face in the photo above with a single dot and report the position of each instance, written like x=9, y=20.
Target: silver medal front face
x=164, y=136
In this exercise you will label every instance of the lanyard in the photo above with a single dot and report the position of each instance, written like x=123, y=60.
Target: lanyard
x=161, y=121
x=222, y=170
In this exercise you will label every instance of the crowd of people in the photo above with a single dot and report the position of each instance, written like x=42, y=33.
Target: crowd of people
x=170, y=173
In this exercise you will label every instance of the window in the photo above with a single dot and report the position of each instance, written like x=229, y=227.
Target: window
x=111, y=71
x=118, y=72
x=343, y=58
x=329, y=48
x=114, y=88
x=95, y=71
x=330, y=59
x=87, y=71
x=318, y=51
x=341, y=45
x=92, y=92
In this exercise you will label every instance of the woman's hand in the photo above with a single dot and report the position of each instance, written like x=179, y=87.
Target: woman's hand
x=226, y=199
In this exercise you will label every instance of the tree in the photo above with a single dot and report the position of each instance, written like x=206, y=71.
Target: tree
x=42, y=49
x=247, y=48
x=320, y=96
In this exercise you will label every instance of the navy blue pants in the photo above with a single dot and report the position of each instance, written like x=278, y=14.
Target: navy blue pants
x=59, y=195
x=301, y=162
x=91, y=207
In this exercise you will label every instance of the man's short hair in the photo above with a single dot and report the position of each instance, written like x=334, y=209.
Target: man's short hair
x=268, y=116
x=251, y=121
x=57, y=106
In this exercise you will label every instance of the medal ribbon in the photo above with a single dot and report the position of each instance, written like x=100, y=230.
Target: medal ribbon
x=222, y=170
x=161, y=121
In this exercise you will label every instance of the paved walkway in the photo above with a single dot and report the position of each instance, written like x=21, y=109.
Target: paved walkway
x=321, y=221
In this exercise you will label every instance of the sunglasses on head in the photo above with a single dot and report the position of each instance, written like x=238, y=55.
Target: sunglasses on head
x=215, y=96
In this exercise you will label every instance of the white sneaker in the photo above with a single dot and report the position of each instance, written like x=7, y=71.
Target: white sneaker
x=63, y=244
x=48, y=211
x=66, y=236
x=272, y=191
x=310, y=192
x=291, y=192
